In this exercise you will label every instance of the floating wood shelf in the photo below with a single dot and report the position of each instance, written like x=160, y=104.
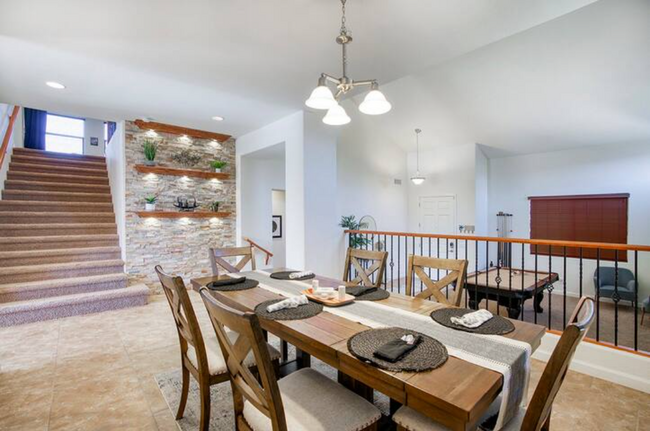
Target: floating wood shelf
x=180, y=214
x=177, y=130
x=162, y=170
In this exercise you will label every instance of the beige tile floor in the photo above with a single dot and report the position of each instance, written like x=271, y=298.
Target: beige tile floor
x=95, y=372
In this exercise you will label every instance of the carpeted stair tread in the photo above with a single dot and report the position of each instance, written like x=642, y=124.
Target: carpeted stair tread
x=30, y=269
x=57, y=187
x=45, y=229
x=68, y=170
x=36, y=160
x=37, y=195
x=48, y=256
x=56, y=178
x=34, y=310
x=64, y=207
x=24, y=217
x=61, y=282
x=33, y=241
x=52, y=154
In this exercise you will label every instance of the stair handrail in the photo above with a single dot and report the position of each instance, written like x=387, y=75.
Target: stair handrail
x=268, y=254
x=8, y=132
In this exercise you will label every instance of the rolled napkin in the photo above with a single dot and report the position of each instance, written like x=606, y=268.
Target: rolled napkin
x=473, y=319
x=293, y=302
x=296, y=275
x=227, y=281
x=395, y=350
x=359, y=290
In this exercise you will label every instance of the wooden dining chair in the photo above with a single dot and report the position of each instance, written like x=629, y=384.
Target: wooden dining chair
x=457, y=272
x=200, y=357
x=218, y=259
x=355, y=257
x=538, y=414
x=303, y=400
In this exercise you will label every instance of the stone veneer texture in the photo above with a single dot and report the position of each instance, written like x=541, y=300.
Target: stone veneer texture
x=180, y=246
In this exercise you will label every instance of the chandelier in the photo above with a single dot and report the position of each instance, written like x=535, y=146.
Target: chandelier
x=375, y=102
x=417, y=179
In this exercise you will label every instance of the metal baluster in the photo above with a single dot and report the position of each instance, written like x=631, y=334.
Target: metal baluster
x=636, y=299
x=597, y=294
x=466, y=293
x=392, y=264
x=523, y=269
x=367, y=263
x=399, y=277
x=421, y=254
x=446, y=257
x=429, y=253
x=549, y=286
x=534, y=310
x=510, y=262
x=616, y=297
x=564, y=287
x=581, y=271
x=476, y=274
x=487, y=279
x=385, y=271
x=438, y=256
x=498, y=279
x=406, y=257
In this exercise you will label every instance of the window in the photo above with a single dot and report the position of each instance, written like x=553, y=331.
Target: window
x=64, y=134
x=593, y=218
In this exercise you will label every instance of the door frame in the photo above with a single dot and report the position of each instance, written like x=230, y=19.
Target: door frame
x=448, y=195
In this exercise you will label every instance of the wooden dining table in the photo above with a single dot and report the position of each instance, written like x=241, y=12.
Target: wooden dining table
x=456, y=394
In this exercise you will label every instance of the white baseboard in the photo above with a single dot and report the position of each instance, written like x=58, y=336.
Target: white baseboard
x=616, y=366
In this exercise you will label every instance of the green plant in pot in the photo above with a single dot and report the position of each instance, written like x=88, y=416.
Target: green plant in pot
x=150, y=202
x=350, y=223
x=214, y=206
x=150, y=148
x=218, y=165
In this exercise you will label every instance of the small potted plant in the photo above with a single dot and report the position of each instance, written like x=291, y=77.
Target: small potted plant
x=150, y=203
x=214, y=206
x=217, y=165
x=150, y=148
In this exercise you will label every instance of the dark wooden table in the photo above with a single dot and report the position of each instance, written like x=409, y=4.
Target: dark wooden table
x=511, y=288
x=455, y=395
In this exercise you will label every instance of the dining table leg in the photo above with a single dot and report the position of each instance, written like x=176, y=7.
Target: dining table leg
x=356, y=386
x=303, y=359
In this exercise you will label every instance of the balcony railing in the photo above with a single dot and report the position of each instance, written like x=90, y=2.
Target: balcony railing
x=537, y=281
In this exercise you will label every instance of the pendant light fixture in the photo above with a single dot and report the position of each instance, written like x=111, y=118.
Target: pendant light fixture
x=374, y=103
x=417, y=179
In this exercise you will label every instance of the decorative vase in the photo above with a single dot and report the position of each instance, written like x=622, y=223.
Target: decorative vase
x=217, y=170
x=150, y=163
x=150, y=207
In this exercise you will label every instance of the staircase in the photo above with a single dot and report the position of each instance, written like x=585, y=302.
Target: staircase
x=59, y=249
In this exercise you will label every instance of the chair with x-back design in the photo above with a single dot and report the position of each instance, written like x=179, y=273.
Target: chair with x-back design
x=218, y=259
x=357, y=258
x=456, y=273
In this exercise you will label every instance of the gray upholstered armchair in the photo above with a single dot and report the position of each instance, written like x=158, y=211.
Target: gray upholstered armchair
x=626, y=282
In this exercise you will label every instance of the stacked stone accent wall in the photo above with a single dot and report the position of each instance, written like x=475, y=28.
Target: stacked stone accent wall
x=180, y=246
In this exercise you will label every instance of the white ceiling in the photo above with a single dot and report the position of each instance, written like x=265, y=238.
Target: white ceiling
x=580, y=80
x=251, y=61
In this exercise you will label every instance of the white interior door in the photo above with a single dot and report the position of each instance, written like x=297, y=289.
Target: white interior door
x=437, y=214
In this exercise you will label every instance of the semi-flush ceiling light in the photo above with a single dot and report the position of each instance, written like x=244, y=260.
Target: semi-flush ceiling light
x=417, y=179
x=322, y=98
x=218, y=118
x=55, y=85
x=336, y=116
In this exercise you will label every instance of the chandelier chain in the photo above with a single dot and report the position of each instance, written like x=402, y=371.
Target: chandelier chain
x=344, y=29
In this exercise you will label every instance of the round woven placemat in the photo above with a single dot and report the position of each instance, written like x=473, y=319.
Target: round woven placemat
x=376, y=295
x=284, y=275
x=246, y=284
x=300, y=312
x=429, y=354
x=497, y=325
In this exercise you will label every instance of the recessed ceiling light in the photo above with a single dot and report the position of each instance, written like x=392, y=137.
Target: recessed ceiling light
x=55, y=85
x=217, y=118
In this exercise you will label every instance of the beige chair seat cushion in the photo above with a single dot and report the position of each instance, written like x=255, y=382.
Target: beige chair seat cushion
x=216, y=363
x=312, y=402
x=414, y=421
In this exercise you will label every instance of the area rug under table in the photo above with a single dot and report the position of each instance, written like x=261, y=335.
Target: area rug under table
x=221, y=412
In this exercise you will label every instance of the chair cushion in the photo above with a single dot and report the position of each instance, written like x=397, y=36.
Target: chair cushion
x=216, y=363
x=415, y=421
x=312, y=402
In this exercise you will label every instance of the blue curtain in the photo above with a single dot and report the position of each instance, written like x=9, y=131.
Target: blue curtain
x=35, y=125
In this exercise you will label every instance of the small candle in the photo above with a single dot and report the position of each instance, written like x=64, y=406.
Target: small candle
x=341, y=293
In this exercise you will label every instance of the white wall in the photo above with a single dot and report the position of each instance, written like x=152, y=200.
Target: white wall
x=279, y=250
x=95, y=129
x=116, y=164
x=259, y=178
x=289, y=131
x=618, y=168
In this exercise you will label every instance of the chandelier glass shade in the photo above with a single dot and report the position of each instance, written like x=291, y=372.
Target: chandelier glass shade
x=417, y=179
x=322, y=97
